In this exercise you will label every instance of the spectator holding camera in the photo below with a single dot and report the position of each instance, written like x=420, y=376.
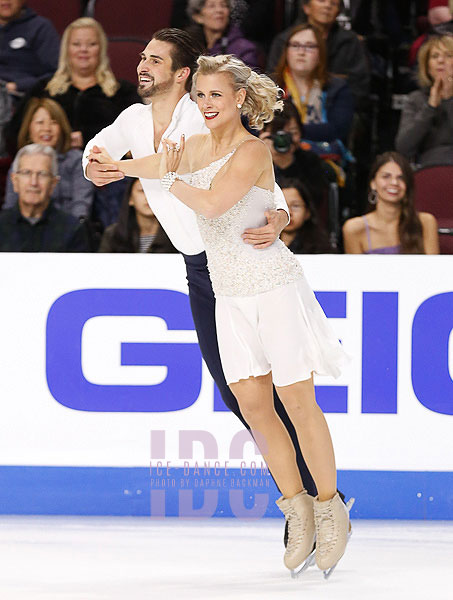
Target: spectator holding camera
x=425, y=133
x=392, y=226
x=324, y=102
x=45, y=123
x=304, y=234
x=137, y=229
x=282, y=136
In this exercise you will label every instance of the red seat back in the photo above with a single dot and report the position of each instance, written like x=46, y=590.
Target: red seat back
x=434, y=194
x=133, y=18
x=124, y=57
x=60, y=14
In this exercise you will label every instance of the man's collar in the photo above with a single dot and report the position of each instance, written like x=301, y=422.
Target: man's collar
x=45, y=215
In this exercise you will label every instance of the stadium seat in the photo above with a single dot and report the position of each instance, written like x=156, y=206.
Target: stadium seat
x=60, y=17
x=434, y=194
x=133, y=18
x=124, y=57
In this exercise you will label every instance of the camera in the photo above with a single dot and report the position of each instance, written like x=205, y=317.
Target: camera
x=282, y=141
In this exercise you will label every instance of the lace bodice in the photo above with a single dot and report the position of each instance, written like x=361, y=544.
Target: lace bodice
x=236, y=268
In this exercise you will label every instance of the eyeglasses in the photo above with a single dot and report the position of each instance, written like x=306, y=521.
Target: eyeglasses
x=307, y=47
x=40, y=175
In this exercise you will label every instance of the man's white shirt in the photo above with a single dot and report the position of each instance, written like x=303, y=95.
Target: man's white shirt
x=133, y=131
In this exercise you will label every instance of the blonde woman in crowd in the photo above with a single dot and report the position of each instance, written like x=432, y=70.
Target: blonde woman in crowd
x=425, y=133
x=84, y=84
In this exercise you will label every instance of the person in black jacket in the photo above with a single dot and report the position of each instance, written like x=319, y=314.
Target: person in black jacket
x=137, y=229
x=34, y=224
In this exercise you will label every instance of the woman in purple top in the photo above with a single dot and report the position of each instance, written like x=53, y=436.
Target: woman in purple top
x=392, y=226
x=214, y=29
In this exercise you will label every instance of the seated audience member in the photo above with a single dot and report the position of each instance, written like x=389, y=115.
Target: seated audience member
x=324, y=102
x=282, y=136
x=84, y=83
x=304, y=234
x=425, y=133
x=440, y=19
x=345, y=52
x=137, y=229
x=29, y=46
x=34, y=224
x=45, y=123
x=214, y=30
x=392, y=226
x=92, y=98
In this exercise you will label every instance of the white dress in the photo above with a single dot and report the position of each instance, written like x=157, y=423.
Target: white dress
x=267, y=316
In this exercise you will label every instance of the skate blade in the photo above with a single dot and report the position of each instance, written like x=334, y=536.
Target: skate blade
x=328, y=572
x=309, y=561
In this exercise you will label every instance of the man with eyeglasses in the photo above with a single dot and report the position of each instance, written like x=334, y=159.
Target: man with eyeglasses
x=34, y=225
x=345, y=53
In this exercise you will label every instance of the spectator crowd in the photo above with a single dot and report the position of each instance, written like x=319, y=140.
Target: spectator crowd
x=368, y=106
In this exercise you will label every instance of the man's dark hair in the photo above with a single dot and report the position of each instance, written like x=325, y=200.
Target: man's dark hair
x=185, y=50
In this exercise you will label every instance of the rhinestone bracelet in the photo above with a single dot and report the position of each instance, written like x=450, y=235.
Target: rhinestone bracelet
x=168, y=180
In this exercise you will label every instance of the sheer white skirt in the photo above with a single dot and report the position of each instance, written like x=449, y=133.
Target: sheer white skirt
x=284, y=331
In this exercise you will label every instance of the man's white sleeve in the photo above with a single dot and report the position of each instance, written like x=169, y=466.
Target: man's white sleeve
x=280, y=200
x=114, y=138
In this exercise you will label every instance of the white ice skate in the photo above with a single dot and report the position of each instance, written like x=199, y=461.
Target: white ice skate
x=333, y=531
x=298, y=512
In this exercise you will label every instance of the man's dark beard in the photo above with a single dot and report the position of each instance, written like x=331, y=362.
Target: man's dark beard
x=155, y=90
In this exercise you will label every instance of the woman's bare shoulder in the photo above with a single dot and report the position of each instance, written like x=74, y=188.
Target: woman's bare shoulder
x=356, y=225
x=427, y=218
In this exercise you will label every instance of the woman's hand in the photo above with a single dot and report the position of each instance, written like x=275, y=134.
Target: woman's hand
x=101, y=156
x=435, y=93
x=172, y=155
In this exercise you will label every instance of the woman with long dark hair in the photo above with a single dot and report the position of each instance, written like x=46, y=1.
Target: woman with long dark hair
x=137, y=229
x=392, y=226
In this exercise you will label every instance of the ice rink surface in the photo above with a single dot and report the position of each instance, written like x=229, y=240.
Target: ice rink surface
x=131, y=558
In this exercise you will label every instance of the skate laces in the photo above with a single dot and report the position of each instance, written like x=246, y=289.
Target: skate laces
x=326, y=529
x=296, y=525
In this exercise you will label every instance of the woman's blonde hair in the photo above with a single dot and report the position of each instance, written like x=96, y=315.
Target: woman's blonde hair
x=424, y=78
x=61, y=81
x=56, y=113
x=262, y=95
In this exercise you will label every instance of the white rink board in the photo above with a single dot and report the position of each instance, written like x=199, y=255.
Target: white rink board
x=35, y=429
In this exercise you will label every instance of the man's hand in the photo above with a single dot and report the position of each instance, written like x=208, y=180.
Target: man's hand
x=102, y=174
x=262, y=237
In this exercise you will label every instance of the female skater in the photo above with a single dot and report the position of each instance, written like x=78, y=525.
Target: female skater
x=270, y=327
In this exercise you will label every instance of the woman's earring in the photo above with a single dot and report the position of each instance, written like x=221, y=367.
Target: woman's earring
x=239, y=106
x=372, y=197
